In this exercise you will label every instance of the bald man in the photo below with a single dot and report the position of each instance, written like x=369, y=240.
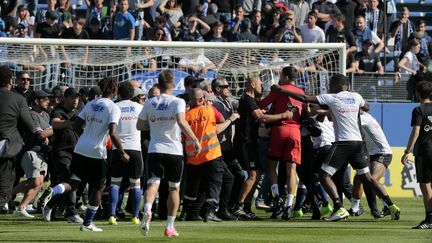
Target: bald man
x=206, y=167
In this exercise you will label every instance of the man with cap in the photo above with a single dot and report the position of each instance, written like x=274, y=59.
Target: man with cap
x=49, y=28
x=367, y=60
x=21, y=31
x=34, y=160
x=65, y=138
x=138, y=96
x=23, y=85
x=190, y=82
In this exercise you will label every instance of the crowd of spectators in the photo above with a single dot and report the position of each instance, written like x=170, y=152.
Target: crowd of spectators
x=354, y=22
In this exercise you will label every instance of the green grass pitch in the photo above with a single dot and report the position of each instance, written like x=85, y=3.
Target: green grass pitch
x=356, y=229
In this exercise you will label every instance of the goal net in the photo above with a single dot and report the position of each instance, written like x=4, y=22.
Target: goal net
x=81, y=63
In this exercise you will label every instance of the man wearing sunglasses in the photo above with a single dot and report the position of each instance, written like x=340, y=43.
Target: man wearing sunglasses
x=22, y=87
x=233, y=177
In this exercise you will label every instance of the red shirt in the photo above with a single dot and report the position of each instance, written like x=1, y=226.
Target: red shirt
x=281, y=102
x=218, y=116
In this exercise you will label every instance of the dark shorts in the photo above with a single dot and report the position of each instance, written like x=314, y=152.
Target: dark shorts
x=341, y=153
x=133, y=169
x=93, y=171
x=320, y=157
x=247, y=155
x=423, y=164
x=384, y=159
x=167, y=166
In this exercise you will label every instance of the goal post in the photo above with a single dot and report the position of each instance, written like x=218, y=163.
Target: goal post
x=82, y=63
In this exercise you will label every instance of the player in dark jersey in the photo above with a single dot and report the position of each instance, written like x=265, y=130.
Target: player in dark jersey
x=420, y=141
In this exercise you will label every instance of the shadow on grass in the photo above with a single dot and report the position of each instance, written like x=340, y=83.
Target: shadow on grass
x=45, y=240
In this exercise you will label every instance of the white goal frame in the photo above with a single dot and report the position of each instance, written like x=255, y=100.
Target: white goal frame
x=339, y=47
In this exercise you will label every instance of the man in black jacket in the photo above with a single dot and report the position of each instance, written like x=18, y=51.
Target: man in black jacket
x=63, y=117
x=13, y=109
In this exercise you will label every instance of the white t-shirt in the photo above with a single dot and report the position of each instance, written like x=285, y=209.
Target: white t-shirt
x=327, y=136
x=412, y=62
x=344, y=107
x=314, y=35
x=130, y=136
x=97, y=114
x=165, y=134
x=375, y=139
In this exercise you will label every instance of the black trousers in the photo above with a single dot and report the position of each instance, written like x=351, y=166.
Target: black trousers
x=236, y=171
x=7, y=178
x=227, y=185
x=208, y=175
x=62, y=163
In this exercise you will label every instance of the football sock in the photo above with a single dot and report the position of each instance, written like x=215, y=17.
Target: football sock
x=275, y=190
x=355, y=204
x=428, y=217
x=114, y=195
x=58, y=189
x=337, y=204
x=170, y=222
x=322, y=193
x=290, y=200
x=90, y=214
x=301, y=196
x=136, y=200
x=387, y=200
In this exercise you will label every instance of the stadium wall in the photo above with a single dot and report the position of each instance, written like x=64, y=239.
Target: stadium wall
x=395, y=119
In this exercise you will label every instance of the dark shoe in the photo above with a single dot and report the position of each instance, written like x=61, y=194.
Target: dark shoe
x=239, y=212
x=385, y=211
x=376, y=214
x=193, y=218
x=277, y=207
x=423, y=225
x=182, y=216
x=211, y=216
x=253, y=216
x=225, y=215
x=287, y=213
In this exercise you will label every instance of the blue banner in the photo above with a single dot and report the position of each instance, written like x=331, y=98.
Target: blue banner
x=148, y=79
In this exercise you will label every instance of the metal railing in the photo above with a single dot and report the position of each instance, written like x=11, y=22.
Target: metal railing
x=374, y=87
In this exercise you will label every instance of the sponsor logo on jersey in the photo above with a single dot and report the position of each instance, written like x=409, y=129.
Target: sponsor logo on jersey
x=97, y=108
x=127, y=109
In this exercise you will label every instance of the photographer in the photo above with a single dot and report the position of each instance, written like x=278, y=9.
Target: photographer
x=288, y=33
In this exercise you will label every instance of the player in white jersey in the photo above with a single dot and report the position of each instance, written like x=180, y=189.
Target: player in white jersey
x=100, y=117
x=380, y=155
x=130, y=138
x=344, y=107
x=164, y=116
